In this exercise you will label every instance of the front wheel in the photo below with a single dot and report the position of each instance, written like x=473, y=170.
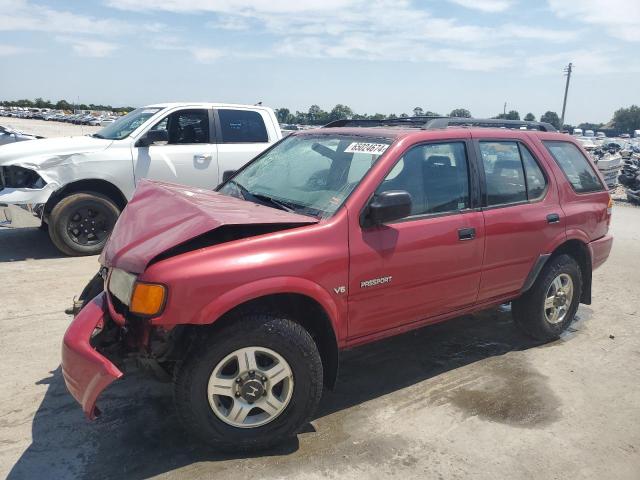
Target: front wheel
x=80, y=224
x=548, y=308
x=251, y=384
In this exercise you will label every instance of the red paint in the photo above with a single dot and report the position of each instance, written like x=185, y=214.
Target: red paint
x=434, y=275
x=85, y=371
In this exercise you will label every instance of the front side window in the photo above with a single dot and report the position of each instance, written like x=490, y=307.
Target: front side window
x=308, y=174
x=124, y=126
x=186, y=127
x=242, y=126
x=435, y=175
x=575, y=166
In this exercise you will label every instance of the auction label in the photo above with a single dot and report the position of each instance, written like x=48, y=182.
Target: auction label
x=372, y=148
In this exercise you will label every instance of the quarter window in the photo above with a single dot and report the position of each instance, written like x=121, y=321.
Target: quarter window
x=512, y=175
x=435, y=175
x=242, y=126
x=575, y=166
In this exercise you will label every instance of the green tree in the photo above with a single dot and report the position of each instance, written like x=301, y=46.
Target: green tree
x=512, y=115
x=530, y=117
x=627, y=119
x=552, y=118
x=590, y=126
x=460, y=113
x=392, y=116
x=317, y=116
x=418, y=111
x=283, y=115
x=340, y=112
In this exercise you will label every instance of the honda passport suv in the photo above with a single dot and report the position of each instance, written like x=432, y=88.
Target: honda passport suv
x=330, y=239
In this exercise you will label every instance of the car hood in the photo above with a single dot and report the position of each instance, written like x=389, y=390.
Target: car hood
x=161, y=216
x=36, y=153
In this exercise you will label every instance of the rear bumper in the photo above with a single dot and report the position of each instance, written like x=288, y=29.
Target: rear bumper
x=86, y=372
x=600, y=250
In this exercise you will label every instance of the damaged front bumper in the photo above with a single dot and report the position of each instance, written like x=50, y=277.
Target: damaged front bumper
x=86, y=372
x=23, y=207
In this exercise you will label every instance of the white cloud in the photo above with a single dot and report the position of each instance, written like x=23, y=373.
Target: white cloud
x=25, y=16
x=619, y=18
x=88, y=48
x=205, y=55
x=490, y=6
x=9, y=50
x=362, y=29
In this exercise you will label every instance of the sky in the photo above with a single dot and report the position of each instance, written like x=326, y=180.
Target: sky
x=385, y=56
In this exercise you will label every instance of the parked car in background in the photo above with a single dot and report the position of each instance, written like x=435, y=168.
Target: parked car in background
x=79, y=185
x=334, y=238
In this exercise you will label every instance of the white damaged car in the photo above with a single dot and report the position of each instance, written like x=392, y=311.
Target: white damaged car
x=77, y=186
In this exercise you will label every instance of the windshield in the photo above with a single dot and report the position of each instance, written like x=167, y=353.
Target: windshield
x=123, y=127
x=309, y=174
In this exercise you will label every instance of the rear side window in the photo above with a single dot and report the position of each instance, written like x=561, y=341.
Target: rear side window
x=575, y=166
x=512, y=174
x=242, y=126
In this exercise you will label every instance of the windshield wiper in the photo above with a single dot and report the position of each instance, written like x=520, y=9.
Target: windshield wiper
x=275, y=202
x=247, y=195
x=97, y=135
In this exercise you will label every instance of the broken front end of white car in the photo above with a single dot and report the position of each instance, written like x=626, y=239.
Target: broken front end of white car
x=23, y=195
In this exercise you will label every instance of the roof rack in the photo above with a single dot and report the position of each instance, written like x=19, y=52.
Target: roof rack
x=432, y=123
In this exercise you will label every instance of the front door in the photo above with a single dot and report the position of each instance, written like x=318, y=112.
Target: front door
x=189, y=157
x=424, y=265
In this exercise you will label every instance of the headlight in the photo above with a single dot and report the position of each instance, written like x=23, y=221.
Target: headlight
x=19, y=177
x=121, y=285
x=142, y=298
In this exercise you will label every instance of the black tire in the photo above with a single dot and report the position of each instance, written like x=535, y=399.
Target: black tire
x=528, y=310
x=274, y=332
x=63, y=215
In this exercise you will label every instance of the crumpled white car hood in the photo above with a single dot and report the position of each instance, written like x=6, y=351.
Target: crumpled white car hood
x=48, y=152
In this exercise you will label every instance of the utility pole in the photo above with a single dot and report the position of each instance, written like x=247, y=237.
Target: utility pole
x=504, y=110
x=567, y=72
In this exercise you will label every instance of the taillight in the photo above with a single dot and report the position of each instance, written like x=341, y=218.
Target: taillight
x=610, y=206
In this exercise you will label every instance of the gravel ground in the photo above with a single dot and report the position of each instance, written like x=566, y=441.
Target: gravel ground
x=46, y=129
x=470, y=398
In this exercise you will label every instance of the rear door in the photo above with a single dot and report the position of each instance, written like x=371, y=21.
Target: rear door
x=242, y=135
x=189, y=157
x=522, y=215
x=429, y=263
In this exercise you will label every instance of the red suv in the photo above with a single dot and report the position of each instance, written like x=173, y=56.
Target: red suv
x=330, y=239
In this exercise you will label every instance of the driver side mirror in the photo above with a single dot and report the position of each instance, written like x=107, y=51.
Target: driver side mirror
x=153, y=137
x=386, y=207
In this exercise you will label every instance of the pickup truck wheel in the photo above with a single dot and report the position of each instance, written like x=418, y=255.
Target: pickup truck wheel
x=81, y=223
x=548, y=308
x=250, y=385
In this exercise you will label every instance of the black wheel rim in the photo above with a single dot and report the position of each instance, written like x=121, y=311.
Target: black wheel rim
x=90, y=225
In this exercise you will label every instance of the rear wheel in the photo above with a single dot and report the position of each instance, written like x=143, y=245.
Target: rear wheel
x=81, y=223
x=250, y=385
x=548, y=308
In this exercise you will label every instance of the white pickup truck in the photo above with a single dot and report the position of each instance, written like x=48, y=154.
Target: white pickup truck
x=77, y=186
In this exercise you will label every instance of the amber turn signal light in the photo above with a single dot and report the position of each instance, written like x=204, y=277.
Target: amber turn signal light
x=148, y=299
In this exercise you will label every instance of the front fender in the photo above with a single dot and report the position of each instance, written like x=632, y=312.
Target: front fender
x=271, y=286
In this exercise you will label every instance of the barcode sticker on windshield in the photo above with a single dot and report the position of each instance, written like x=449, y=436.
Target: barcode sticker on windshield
x=372, y=148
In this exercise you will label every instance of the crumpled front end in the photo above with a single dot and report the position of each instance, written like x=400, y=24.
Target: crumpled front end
x=86, y=372
x=23, y=195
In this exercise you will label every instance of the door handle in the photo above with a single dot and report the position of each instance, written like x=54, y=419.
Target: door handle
x=553, y=218
x=466, y=233
x=201, y=159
